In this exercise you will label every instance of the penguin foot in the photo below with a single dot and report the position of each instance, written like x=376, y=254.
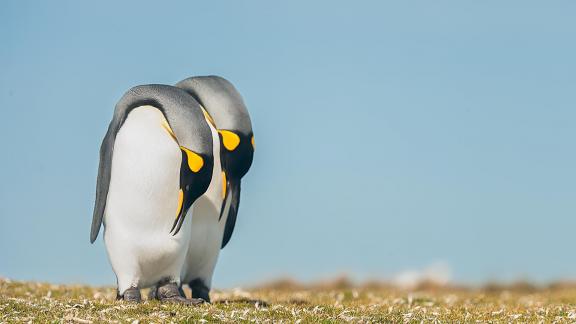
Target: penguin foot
x=170, y=293
x=199, y=290
x=182, y=293
x=131, y=295
x=153, y=293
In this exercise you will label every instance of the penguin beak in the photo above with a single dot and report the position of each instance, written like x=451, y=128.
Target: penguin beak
x=232, y=201
x=195, y=176
x=185, y=201
x=188, y=195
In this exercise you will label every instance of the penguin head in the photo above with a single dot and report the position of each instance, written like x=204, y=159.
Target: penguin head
x=236, y=152
x=185, y=122
x=226, y=109
x=195, y=177
x=195, y=173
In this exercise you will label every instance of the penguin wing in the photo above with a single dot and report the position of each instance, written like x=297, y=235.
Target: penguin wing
x=191, y=131
x=104, y=173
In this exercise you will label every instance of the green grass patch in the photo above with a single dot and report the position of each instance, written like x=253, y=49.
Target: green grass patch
x=47, y=303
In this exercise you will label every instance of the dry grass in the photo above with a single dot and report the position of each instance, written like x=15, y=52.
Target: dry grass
x=290, y=302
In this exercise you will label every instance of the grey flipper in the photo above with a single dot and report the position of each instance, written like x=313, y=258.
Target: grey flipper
x=186, y=120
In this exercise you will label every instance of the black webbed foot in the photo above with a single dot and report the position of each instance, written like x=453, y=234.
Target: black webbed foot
x=199, y=289
x=171, y=293
x=131, y=294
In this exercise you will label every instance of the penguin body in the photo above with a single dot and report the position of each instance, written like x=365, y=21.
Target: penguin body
x=156, y=160
x=214, y=214
x=207, y=230
x=142, y=203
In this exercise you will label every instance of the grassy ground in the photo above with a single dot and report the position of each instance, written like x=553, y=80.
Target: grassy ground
x=293, y=303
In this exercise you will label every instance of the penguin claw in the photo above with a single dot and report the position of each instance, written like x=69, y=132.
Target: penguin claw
x=196, y=301
x=199, y=290
x=184, y=301
x=153, y=293
x=131, y=295
x=171, y=293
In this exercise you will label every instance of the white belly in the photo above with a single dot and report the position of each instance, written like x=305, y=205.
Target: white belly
x=142, y=202
x=206, y=231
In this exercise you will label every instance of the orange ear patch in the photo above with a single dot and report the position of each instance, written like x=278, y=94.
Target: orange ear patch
x=195, y=161
x=230, y=139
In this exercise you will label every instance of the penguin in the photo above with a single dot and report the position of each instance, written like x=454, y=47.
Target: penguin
x=215, y=212
x=156, y=159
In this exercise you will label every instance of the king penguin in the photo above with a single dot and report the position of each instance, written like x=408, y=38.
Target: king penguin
x=214, y=213
x=155, y=161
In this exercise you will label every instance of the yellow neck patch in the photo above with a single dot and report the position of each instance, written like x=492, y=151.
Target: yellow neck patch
x=252, y=141
x=195, y=161
x=230, y=139
x=208, y=117
x=223, y=184
x=180, y=201
x=167, y=127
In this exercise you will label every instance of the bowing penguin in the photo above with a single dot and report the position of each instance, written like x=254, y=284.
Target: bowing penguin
x=214, y=213
x=155, y=161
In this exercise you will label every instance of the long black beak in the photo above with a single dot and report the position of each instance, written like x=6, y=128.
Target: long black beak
x=188, y=200
x=232, y=201
x=193, y=184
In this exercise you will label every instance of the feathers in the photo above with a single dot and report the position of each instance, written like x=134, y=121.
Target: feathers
x=185, y=120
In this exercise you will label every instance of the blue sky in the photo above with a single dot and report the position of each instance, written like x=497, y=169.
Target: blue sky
x=390, y=135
